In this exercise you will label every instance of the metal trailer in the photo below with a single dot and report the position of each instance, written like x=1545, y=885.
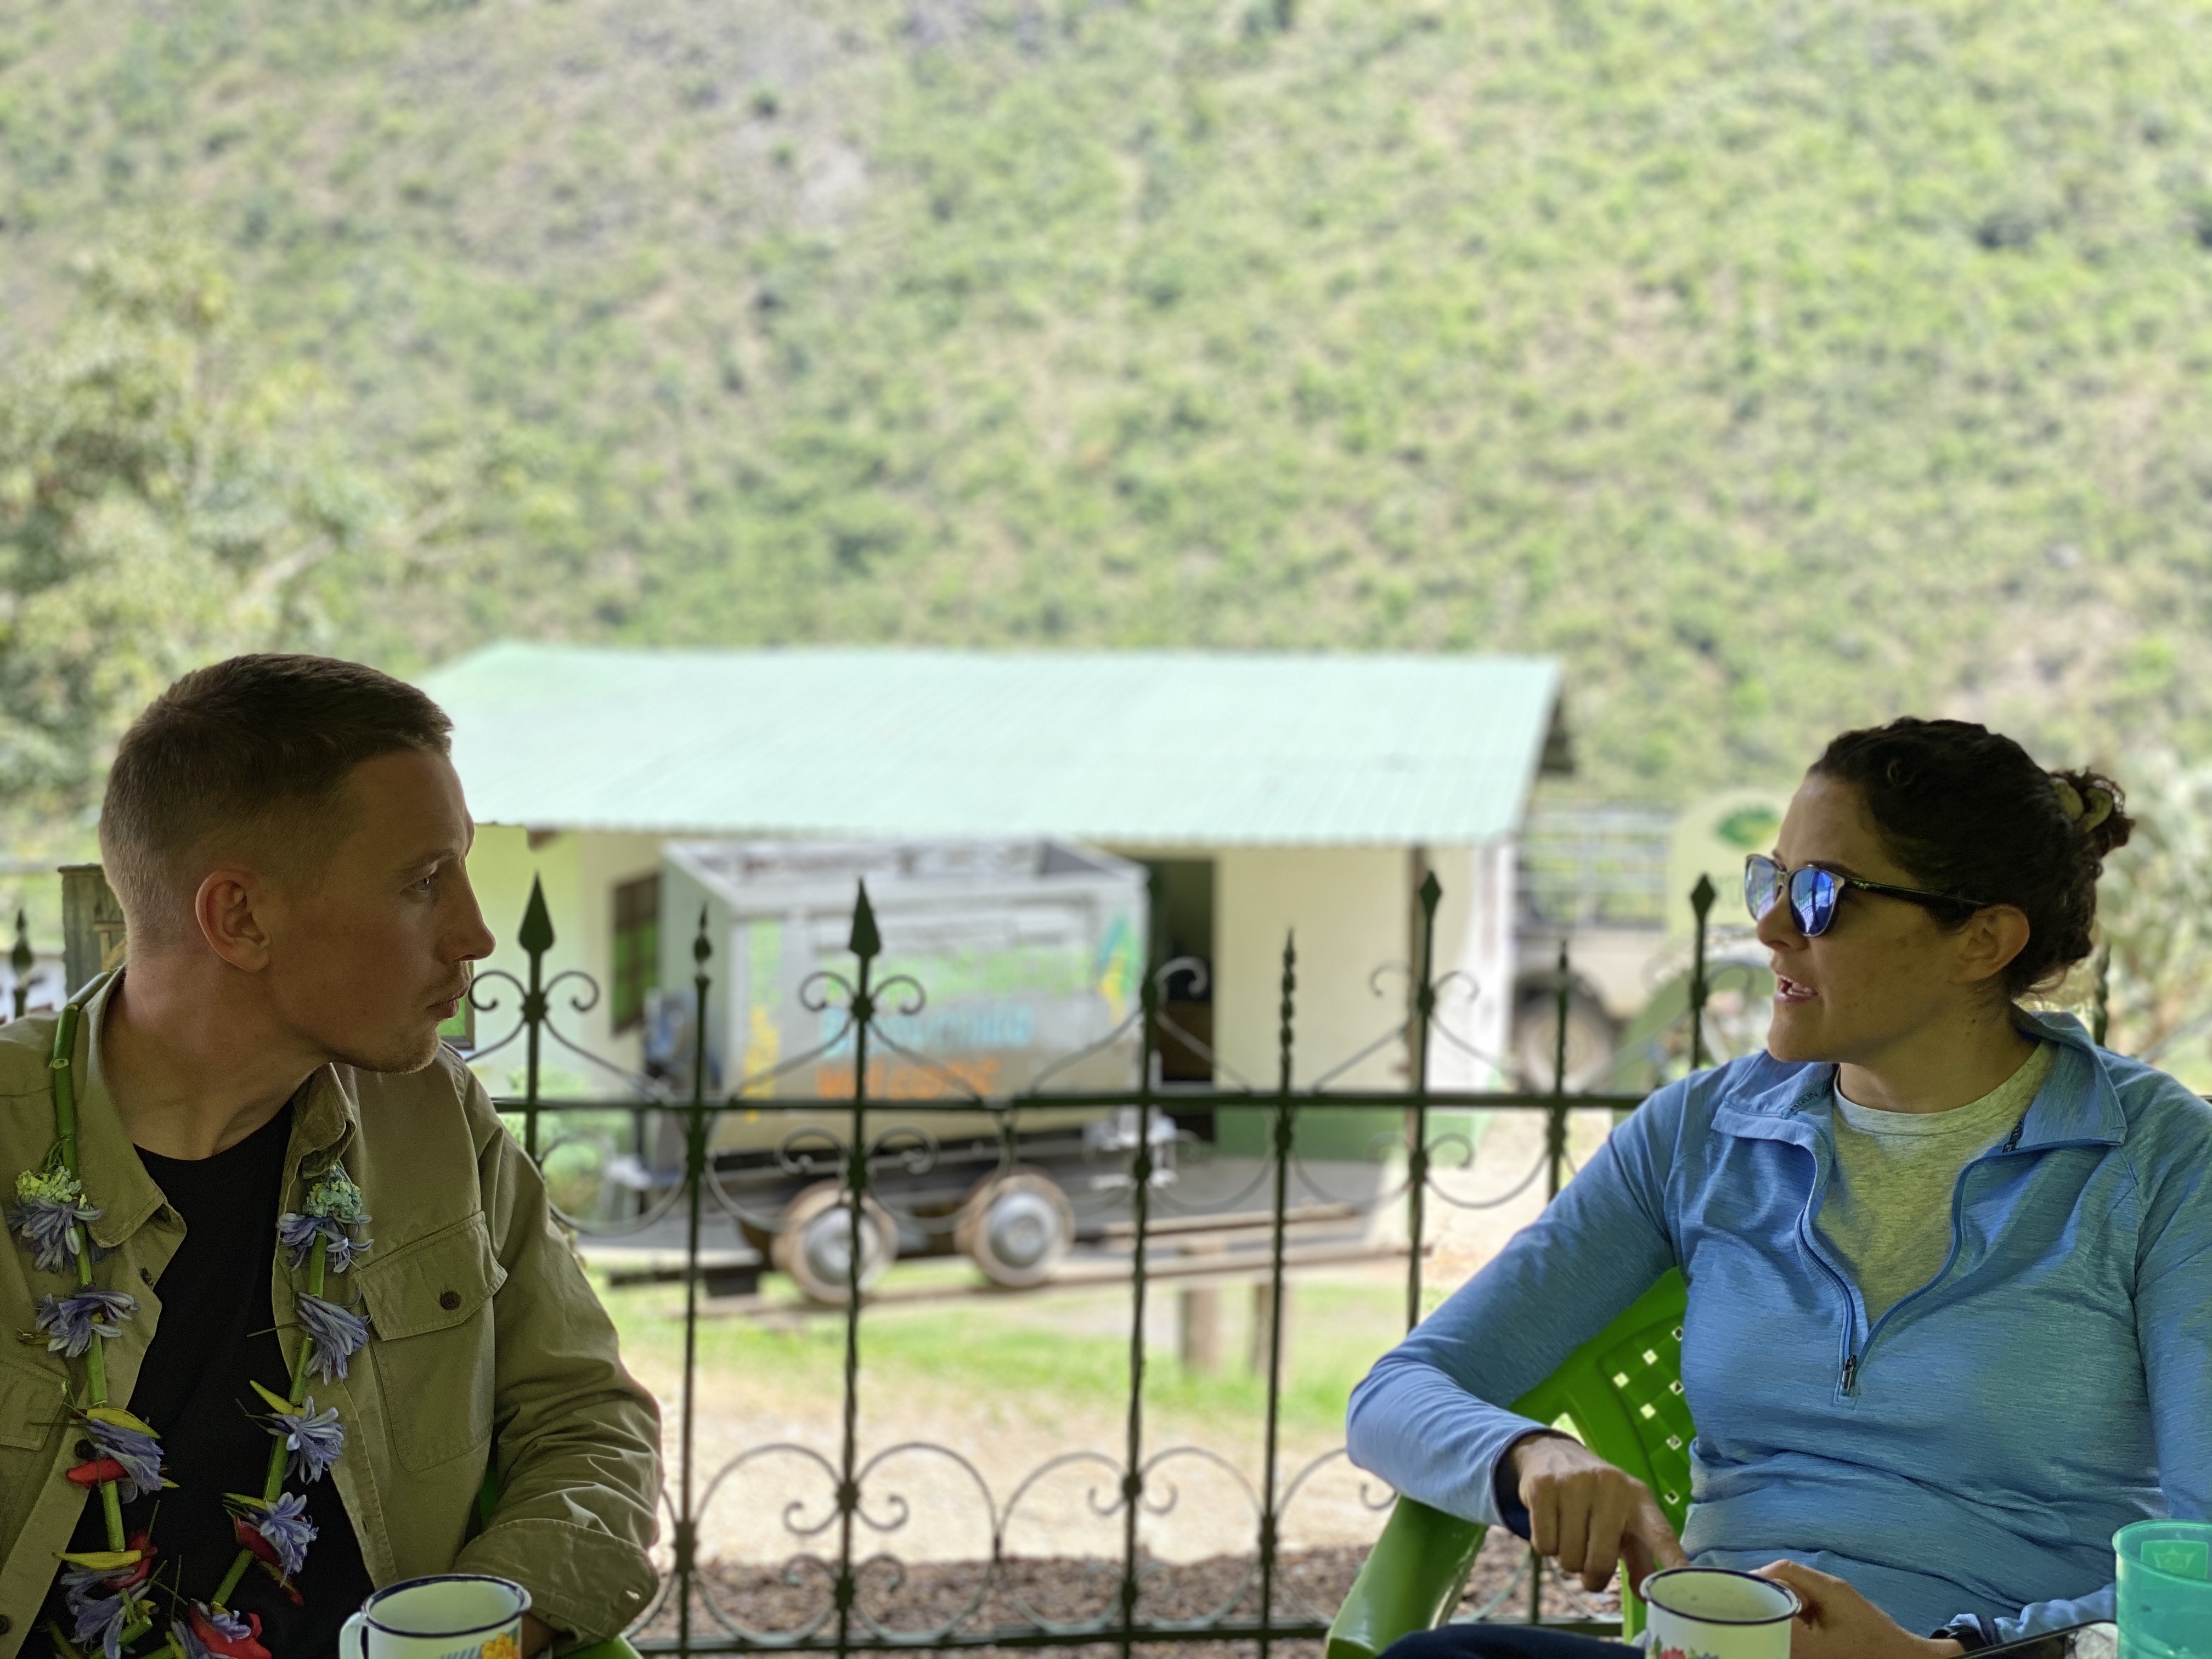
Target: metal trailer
x=1001, y=960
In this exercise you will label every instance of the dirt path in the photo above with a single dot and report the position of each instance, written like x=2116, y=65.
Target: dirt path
x=944, y=1466
x=941, y=1470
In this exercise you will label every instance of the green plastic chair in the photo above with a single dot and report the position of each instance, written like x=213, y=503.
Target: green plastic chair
x=1622, y=1392
x=615, y=1647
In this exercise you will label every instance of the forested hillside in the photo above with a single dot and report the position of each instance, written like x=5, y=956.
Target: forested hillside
x=1779, y=362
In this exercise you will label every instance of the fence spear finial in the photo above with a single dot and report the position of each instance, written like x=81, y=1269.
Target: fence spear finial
x=537, y=934
x=866, y=942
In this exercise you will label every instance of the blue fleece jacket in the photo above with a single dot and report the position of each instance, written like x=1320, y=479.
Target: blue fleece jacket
x=1975, y=1450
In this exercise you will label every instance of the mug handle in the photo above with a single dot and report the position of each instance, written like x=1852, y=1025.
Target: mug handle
x=357, y=1625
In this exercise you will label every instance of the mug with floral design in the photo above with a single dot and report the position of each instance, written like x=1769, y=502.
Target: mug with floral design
x=453, y=1615
x=1716, y=1613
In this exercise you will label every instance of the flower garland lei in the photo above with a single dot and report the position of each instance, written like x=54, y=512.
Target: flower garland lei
x=109, y=1592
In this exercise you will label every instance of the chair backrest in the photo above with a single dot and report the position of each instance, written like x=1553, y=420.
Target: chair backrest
x=1622, y=1391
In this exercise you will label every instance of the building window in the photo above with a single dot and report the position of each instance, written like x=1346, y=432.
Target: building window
x=637, y=949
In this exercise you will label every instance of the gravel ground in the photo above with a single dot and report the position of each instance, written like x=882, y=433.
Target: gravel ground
x=928, y=1596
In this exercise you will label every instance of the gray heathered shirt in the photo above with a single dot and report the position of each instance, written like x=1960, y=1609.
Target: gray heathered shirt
x=1888, y=1208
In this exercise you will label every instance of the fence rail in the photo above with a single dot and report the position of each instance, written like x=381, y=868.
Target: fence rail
x=839, y=1535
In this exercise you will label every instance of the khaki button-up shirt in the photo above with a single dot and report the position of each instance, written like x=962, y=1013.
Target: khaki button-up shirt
x=487, y=1346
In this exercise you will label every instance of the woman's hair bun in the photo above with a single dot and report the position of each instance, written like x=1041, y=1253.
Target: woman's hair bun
x=2096, y=806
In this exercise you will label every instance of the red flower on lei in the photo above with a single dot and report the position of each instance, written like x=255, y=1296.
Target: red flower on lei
x=226, y=1647
x=264, y=1553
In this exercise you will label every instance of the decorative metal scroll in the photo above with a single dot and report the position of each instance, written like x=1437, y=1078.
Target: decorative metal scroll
x=841, y=1584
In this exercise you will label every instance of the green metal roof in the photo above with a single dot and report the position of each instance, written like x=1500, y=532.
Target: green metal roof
x=1154, y=747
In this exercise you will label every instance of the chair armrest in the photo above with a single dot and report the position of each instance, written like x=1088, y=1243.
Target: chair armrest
x=1411, y=1581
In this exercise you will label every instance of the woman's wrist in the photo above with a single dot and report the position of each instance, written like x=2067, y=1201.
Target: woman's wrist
x=1513, y=1452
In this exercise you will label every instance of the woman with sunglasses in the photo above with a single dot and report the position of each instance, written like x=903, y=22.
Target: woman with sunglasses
x=1949, y=1263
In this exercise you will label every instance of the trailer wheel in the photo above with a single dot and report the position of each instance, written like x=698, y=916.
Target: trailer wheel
x=1015, y=1227
x=813, y=1243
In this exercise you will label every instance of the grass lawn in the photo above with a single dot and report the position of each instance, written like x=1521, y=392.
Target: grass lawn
x=1069, y=1346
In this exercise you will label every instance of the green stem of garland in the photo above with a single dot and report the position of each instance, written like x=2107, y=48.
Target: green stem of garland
x=274, y=1484
x=95, y=1362
x=221, y=1600
x=66, y=1100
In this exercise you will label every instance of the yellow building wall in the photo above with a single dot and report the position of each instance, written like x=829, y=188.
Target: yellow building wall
x=1475, y=955
x=1348, y=908
x=1352, y=911
x=580, y=871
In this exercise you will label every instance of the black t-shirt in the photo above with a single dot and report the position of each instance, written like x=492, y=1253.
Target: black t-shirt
x=216, y=1333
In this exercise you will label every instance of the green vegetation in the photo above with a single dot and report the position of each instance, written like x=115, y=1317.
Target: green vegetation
x=1780, y=366
x=153, y=512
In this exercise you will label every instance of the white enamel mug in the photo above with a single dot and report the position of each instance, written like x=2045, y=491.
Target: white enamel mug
x=455, y=1615
x=1716, y=1613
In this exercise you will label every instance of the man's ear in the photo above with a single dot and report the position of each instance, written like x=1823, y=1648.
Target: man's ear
x=1991, y=939
x=227, y=907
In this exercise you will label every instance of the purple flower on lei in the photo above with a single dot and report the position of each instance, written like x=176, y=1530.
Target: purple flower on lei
x=283, y=1522
x=343, y=1252
x=314, y=1439
x=99, y=1611
x=297, y=1233
x=45, y=1216
x=338, y=1335
x=139, y=1454
x=72, y=1321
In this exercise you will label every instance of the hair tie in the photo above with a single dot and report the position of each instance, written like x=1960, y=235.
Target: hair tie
x=2085, y=814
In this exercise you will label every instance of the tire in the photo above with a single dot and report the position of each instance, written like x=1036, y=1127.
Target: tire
x=1016, y=1227
x=813, y=1244
x=1591, y=1035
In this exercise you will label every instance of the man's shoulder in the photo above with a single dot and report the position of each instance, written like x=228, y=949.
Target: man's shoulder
x=26, y=1046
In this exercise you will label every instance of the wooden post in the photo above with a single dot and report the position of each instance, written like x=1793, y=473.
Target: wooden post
x=1198, y=1332
x=1263, y=1319
x=92, y=925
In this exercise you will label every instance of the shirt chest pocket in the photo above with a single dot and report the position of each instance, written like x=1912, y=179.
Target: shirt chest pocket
x=430, y=1303
x=33, y=1400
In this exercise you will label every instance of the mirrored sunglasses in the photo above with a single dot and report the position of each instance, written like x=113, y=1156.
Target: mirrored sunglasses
x=1814, y=893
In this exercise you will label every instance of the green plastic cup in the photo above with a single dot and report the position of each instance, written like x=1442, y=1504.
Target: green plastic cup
x=2164, y=1572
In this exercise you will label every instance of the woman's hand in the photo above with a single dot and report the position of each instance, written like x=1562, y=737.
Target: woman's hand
x=1587, y=1515
x=1836, y=1622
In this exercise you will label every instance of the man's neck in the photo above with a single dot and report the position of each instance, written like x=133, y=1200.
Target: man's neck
x=192, y=1065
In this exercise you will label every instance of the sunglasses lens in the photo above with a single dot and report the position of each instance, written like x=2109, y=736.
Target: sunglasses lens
x=1760, y=886
x=1812, y=899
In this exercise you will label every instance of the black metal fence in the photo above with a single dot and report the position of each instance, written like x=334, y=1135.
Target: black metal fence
x=842, y=1567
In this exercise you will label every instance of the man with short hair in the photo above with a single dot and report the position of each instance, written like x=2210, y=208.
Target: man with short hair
x=288, y=838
